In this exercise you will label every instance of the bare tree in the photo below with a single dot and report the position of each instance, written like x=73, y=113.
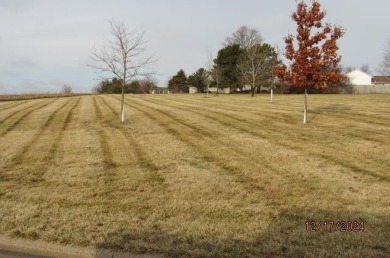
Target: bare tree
x=215, y=73
x=122, y=57
x=245, y=37
x=365, y=68
x=348, y=69
x=385, y=65
x=209, y=67
x=256, y=65
x=66, y=89
x=148, y=84
x=217, y=76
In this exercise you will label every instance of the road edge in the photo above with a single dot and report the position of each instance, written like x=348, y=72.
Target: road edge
x=42, y=249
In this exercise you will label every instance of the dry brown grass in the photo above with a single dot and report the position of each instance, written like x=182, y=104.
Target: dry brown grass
x=36, y=96
x=189, y=176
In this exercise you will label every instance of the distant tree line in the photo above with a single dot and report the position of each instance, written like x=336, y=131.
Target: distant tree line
x=114, y=86
x=244, y=62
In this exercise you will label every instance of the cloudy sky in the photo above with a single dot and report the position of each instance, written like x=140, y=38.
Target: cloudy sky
x=45, y=44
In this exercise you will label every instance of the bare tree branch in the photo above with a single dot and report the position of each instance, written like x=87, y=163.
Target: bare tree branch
x=385, y=65
x=256, y=64
x=245, y=37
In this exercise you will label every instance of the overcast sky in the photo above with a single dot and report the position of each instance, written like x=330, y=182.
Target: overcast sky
x=45, y=44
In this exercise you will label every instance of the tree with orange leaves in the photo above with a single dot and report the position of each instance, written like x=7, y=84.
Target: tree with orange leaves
x=313, y=59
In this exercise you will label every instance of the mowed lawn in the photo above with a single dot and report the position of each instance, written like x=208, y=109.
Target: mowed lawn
x=190, y=176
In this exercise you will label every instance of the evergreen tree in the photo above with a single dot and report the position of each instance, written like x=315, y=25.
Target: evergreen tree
x=178, y=83
x=226, y=62
x=198, y=79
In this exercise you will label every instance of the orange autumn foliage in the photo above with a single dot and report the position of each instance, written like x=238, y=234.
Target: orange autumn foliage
x=314, y=62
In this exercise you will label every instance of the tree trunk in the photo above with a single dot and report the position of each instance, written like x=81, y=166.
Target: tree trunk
x=305, y=109
x=122, y=105
x=253, y=85
x=217, y=89
x=272, y=95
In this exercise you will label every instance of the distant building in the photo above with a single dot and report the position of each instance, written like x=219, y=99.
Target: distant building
x=223, y=90
x=247, y=89
x=192, y=89
x=381, y=80
x=364, y=83
x=160, y=90
x=357, y=77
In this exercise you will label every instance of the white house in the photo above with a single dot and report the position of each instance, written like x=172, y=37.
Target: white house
x=223, y=90
x=192, y=89
x=364, y=83
x=357, y=77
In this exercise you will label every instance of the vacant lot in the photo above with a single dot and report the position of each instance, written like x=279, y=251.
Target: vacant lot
x=186, y=175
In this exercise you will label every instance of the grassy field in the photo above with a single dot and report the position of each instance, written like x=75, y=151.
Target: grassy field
x=189, y=176
x=34, y=96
